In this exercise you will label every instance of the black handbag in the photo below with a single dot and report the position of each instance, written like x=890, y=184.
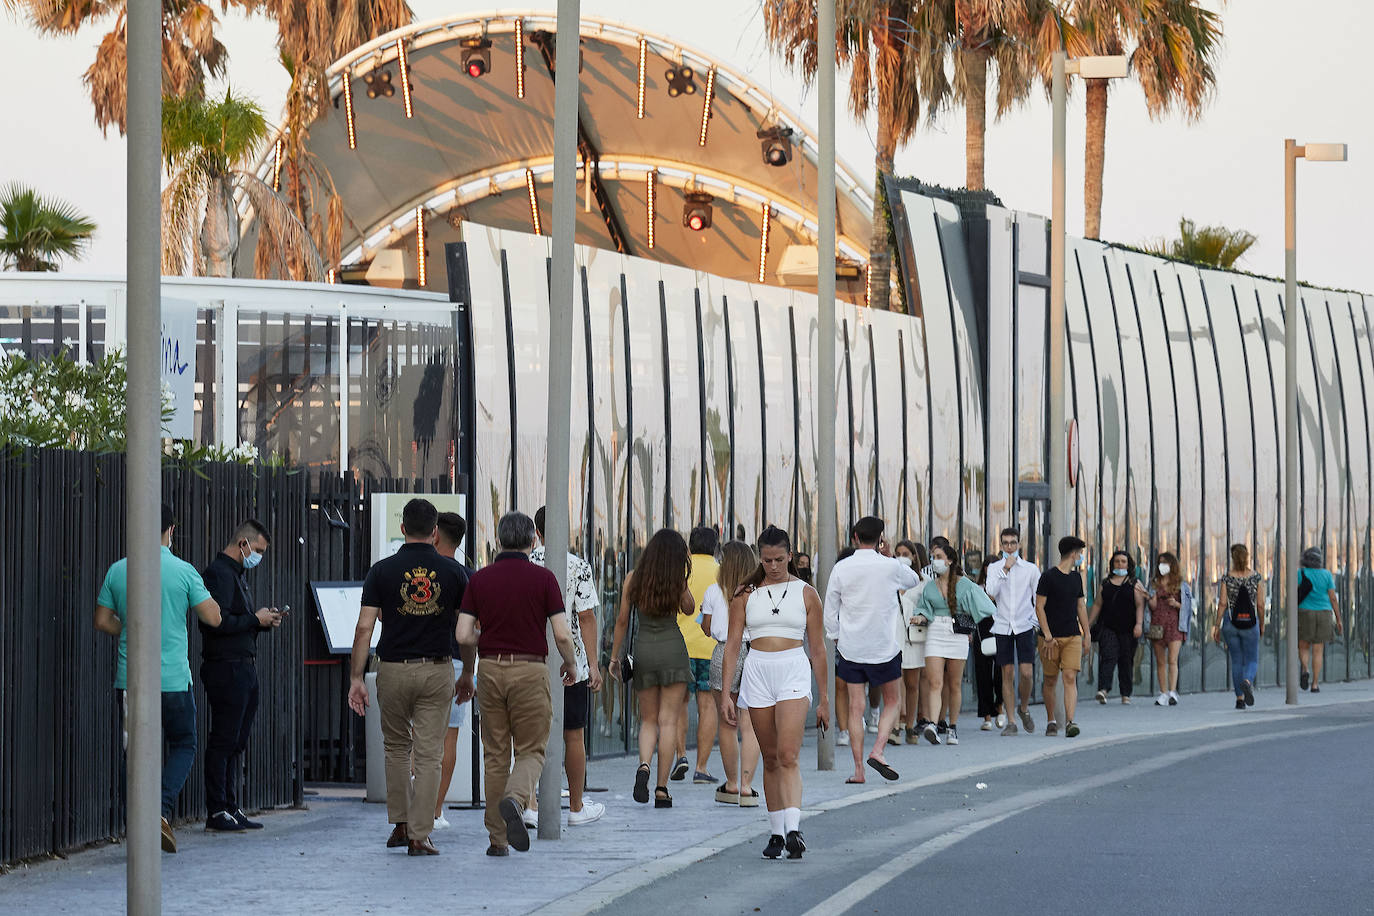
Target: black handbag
x=627, y=669
x=963, y=622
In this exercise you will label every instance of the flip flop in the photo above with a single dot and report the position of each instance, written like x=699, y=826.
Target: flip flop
x=641, y=790
x=885, y=771
x=851, y=781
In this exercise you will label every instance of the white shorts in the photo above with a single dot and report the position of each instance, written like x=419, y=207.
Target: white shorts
x=770, y=677
x=943, y=642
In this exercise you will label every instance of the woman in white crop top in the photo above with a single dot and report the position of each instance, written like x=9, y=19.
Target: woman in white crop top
x=783, y=614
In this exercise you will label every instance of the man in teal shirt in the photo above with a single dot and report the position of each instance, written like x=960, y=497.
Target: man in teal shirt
x=182, y=589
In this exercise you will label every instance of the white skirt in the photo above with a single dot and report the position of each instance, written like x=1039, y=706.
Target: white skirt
x=771, y=677
x=943, y=642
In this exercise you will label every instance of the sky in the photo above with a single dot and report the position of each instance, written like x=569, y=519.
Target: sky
x=1282, y=74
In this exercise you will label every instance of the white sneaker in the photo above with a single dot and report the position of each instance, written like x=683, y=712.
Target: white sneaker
x=986, y=726
x=441, y=823
x=1162, y=700
x=1001, y=720
x=872, y=726
x=842, y=739
x=591, y=811
x=531, y=818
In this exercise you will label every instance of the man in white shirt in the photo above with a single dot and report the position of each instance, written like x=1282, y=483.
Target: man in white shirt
x=1011, y=584
x=861, y=602
x=579, y=597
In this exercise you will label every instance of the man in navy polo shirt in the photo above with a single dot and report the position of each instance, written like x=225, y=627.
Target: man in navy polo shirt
x=511, y=600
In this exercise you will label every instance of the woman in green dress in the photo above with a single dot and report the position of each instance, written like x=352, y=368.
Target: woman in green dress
x=948, y=595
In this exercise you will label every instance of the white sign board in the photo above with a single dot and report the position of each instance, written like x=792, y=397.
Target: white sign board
x=339, y=603
x=179, y=366
x=386, y=519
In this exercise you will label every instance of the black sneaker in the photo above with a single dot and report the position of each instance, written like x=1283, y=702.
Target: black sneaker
x=941, y=727
x=1071, y=730
x=517, y=834
x=1247, y=692
x=239, y=816
x=1051, y=728
x=680, y=769
x=223, y=822
x=1240, y=703
x=774, y=848
x=1303, y=679
x=795, y=844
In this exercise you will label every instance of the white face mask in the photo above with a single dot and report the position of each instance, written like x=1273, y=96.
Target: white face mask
x=1119, y=573
x=903, y=559
x=1164, y=569
x=939, y=567
x=1011, y=556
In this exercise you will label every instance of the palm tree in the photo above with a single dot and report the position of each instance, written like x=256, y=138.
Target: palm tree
x=894, y=49
x=190, y=50
x=203, y=142
x=1176, y=45
x=1214, y=246
x=39, y=231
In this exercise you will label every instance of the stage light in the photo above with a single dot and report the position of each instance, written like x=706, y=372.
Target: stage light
x=276, y=163
x=332, y=276
x=348, y=109
x=420, y=244
x=706, y=104
x=534, y=201
x=651, y=196
x=643, y=59
x=519, y=58
x=696, y=213
x=765, y=228
x=403, y=62
x=777, y=145
x=379, y=84
x=681, y=81
x=476, y=56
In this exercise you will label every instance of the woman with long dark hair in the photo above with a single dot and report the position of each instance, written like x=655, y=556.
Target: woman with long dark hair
x=1118, y=614
x=1171, y=609
x=951, y=595
x=656, y=592
x=782, y=614
x=913, y=644
x=1240, y=622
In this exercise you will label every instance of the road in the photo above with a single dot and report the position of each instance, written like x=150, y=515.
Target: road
x=1274, y=817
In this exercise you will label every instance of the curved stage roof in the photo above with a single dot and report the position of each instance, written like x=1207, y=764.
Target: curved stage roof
x=480, y=148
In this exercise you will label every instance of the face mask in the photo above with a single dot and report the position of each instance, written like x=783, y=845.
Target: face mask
x=1119, y=573
x=253, y=559
x=939, y=567
x=904, y=560
x=1011, y=556
x=1078, y=561
x=1164, y=569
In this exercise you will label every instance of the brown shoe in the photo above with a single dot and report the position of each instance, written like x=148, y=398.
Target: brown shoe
x=400, y=836
x=169, y=839
x=422, y=848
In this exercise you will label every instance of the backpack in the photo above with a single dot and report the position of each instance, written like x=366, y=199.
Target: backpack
x=1243, y=615
x=1304, y=586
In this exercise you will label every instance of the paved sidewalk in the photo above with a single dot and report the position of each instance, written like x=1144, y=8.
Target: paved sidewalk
x=332, y=857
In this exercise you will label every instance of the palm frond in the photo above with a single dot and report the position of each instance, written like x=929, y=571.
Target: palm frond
x=36, y=232
x=182, y=201
x=280, y=231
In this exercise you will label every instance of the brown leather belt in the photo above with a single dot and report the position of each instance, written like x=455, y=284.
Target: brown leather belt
x=511, y=657
x=426, y=660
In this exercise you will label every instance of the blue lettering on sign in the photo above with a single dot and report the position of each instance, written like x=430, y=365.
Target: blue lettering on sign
x=171, y=356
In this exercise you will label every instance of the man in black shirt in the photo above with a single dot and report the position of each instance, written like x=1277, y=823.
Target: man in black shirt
x=416, y=593
x=228, y=671
x=1063, y=616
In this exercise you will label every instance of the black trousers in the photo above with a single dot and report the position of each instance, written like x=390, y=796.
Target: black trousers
x=1115, y=652
x=987, y=677
x=232, y=689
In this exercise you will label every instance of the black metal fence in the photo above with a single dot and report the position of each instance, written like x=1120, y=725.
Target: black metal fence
x=61, y=526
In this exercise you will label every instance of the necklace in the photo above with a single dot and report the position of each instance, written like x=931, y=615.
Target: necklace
x=776, y=604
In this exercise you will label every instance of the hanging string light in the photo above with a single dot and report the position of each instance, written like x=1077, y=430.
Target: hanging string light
x=643, y=61
x=404, y=63
x=534, y=202
x=764, y=229
x=706, y=104
x=348, y=109
x=420, y=245
x=519, y=58
x=651, y=196
x=276, y=163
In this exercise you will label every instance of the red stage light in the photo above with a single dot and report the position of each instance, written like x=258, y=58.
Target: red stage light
x=475, y=68
x=696, y=223
x=476, y=56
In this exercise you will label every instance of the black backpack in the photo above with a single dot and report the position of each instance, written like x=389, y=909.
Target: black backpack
x=1243, y=615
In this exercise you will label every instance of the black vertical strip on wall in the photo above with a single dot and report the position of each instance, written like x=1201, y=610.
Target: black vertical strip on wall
x=763, y=419
x=795, y=520
x=1249, y=418
x=589, y=445
x=667, y=409
x=1149, y=415
x=958, y=387
x=514, y=494
x=630, y=553
x=1178, y=410
x=1280, y=546
x=730, y=416
x=1347, y=486
x=1015, y=507
x=903, y=522
x=1125, y=404
x=701, y=411
x=1225, y=423
x=849, y=397
x=464, y=379
x=877, y=445
x=1097, y=394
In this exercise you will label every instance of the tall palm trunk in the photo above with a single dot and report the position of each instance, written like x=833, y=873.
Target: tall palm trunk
x=219, y=234
x=975, y=116
x=1095, y=153
x=879, y=251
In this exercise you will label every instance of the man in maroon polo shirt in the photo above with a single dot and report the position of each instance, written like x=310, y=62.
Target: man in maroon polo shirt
x=511, y=600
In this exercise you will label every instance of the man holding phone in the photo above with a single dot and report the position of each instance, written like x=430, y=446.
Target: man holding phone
x=229, y=672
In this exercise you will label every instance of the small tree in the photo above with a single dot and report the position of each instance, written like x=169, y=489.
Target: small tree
x=1213, y=246
x=37, y=232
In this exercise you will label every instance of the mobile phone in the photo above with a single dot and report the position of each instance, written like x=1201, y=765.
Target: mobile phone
x=285, y=609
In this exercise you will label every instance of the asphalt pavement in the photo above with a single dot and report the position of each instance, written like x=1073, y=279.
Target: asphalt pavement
x=1192, y=808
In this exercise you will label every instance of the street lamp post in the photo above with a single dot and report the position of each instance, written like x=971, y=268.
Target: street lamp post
x=825, y=314
x=1109, y=67
x=1292, y=315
